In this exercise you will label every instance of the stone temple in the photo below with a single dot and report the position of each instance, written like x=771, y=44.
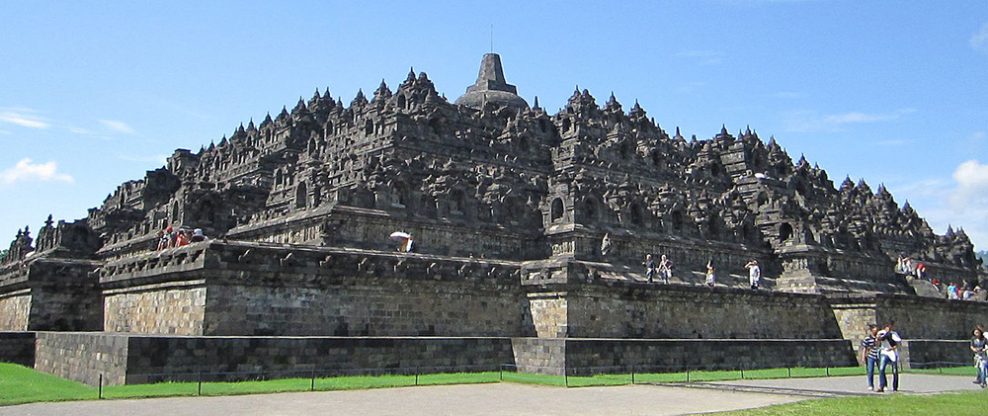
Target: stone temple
x=530, y=229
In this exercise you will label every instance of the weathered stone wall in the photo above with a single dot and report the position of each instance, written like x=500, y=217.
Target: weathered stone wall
x=64, y=296
x=932, y=353
x=173, y=308
x=17, y=348
x=15, y=308
x=362, y=306
x=82, y=356
x=260, y=289
x=548, y=314
x=582, y=355
x=626, y=310
x=928, y=318
x=539, y=355
x=45, y=294
x=249, y=357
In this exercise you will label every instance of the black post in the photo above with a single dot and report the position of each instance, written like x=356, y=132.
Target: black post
x=566, y=377
x=632, y=374
x=416, y=376
x=687, y=374
x=199, y=391
x=741, y=367
x=500, y=372
x=101, y=386
x=828, y=371
x=312, y=385
x=789, y=372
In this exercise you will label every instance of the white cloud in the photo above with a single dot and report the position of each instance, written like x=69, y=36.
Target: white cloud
x=788, y=95
x=117, y=126
x=894, y=142
x=160, y=158
x=702, y=57
x=810, y=121
x=23, y=118
x=979, y=40
x=25, y=170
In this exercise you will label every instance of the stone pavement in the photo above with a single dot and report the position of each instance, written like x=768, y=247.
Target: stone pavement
x=461, y=400
x=851, y=385
x=503, y=399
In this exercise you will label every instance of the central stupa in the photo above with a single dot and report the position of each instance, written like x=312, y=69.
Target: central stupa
x=491, y=87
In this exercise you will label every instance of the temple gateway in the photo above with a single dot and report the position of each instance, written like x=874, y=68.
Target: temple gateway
x=529, y=230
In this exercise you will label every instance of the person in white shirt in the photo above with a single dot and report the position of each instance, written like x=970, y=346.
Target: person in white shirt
x=889, y=354
x=754, y=273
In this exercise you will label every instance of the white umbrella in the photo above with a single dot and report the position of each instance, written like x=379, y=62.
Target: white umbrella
x=398, y=236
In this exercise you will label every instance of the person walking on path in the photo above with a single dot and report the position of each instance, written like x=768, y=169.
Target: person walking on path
x=978, y=346
x=869, y=354
x=754, y=273
x=889, y=355
x=711, y=274
x=649, y=264
x=665, y=268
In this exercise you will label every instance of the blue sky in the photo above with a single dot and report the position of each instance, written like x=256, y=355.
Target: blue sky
x=96, y=93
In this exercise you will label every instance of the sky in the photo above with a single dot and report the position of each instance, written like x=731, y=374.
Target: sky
x=95, y=93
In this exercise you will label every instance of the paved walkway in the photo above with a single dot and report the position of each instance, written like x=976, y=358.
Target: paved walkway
x=855, y=385
x=462, y=400
x=502, y=399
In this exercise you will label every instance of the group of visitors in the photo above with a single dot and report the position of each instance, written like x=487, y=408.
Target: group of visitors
x=907, y=266
x=880, y=349
x=171, y=238
x=963, y=292
x=664, y=269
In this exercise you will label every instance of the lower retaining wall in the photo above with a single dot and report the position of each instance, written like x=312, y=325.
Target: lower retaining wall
x=17, y=348
x=931, y=353
x=134, y=359
x=585, y=356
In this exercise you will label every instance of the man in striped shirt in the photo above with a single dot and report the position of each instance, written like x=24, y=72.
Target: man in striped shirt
x=869, y=354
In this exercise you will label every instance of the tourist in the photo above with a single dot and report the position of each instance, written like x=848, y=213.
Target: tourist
x=409, y=245
x=889, y=356
x=182, y=238
x=156, y=243
x=754, y=273
x=665, y=268
x=711, y=277
x=164, y=241
x=978, y=345
x=968, y=293
x=869, y=353
x=197, y=235
x=952, y=291
x=920, y=270
x=900, y=264
x=907, y=265
x=605, y=245
x=649, y=264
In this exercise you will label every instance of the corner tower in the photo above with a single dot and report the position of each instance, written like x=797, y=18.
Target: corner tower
x=491, y=87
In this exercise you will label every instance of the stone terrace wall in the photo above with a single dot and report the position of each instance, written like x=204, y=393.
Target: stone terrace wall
x=929, y=353
x=17, y=348
x=83, y=356
x=15, y=308
x=629, y=310
x=929, y=318
x=46, y=294
x=265, y=289
x=174, y=308
x=676, y=355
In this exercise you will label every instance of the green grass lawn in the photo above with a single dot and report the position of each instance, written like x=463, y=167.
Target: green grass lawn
x=20, y=384
x=954, y=404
